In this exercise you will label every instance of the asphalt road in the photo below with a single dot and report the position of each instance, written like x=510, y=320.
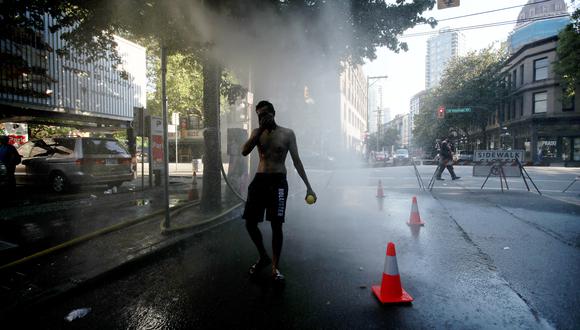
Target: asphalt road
x=484, y=259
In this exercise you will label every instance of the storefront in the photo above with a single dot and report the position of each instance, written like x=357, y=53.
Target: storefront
x=558, y=149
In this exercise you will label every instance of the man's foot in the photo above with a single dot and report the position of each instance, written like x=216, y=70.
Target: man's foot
x=260, y=264
x=456, y=178
x=440, y=179
x=277, y=277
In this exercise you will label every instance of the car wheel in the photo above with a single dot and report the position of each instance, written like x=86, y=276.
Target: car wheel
x=58, y=182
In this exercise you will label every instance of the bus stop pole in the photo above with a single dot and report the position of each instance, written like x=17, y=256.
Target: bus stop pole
x=165, y=140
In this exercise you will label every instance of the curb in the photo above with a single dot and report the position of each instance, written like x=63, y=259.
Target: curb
x=140, y=258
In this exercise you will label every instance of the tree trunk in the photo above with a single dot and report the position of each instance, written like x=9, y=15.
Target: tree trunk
x=211, y=188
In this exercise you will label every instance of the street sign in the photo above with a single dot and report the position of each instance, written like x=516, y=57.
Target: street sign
x=458, y=110
x=157, y=142
x=498, y=155
x=444, y=4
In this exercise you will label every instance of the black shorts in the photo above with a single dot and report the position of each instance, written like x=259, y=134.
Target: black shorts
x=267, y=192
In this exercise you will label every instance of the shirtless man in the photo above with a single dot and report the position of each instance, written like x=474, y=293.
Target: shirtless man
x=269, y=189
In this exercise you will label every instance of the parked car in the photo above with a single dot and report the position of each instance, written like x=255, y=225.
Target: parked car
x=381, y=156
x=401, y=156
x=66, y=162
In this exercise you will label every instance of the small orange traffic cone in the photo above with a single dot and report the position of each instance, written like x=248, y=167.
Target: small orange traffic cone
x=390, y=290
x=380, y=192
x=415, y=218
x=193, y=193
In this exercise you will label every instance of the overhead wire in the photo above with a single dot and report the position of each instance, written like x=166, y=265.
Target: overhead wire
x=490, y=11
x=479, y=26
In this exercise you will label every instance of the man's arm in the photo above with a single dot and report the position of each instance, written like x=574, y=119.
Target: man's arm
x=293, y=148
x=252, y=141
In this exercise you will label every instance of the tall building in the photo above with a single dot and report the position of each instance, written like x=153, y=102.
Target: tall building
x=353, y=107
x=414, y=108
x=440, y=49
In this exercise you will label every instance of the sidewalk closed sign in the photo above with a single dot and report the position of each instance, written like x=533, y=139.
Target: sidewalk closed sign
x=498, y=156
x=488, y=162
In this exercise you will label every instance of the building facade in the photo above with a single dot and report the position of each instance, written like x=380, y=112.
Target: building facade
x=440, y=50
x=353, y=108
x=537, y=116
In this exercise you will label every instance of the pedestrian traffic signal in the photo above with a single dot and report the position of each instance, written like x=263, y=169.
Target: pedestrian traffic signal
x=441, y=112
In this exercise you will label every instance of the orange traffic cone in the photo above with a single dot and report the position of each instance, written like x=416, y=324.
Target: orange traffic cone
x=380, y=192
x=193, y=193
x=415, y=218
x=390, y=290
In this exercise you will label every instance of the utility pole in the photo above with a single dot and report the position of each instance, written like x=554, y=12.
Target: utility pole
x=379, y=112
x=375, y=78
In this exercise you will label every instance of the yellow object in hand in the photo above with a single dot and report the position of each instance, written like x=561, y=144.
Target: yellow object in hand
x=310, y=199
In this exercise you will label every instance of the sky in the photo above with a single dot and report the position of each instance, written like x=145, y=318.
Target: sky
x=406, y=70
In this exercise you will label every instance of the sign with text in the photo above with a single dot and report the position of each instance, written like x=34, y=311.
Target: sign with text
x=188, y=134
x=458, y=110
x=157, y=143
x=498, y=155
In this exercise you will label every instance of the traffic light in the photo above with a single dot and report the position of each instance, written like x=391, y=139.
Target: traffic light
x=444, y=4
x=441, y=112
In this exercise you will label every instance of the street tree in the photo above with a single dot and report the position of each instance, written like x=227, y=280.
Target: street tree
x=476, y=81
x=389, y=137
x=568, y=65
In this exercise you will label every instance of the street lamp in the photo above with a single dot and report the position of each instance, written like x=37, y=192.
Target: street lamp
x=375, y=78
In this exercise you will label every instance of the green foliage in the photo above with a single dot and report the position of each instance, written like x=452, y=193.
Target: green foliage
x=38, y=131
x=184, y=85
x=389, y=137
x=89, y=26
x=474, y=80
x=568, y=65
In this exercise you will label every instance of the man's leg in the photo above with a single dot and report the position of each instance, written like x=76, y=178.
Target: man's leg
x=277, y=240
x=440, y=170
x=256, y=236
x=452, y=172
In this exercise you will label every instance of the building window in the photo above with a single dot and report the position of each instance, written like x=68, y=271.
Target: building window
x=540, y=102
x=576, y=150
x=541, y=69
x=514, y=78
x=521, y=106
x=521, y=74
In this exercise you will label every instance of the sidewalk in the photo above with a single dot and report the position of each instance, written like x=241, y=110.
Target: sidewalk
x=56, y=273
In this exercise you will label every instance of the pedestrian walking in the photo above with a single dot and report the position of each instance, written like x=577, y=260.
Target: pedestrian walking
x=269, y=189
x=446, y=160
x=9, y=157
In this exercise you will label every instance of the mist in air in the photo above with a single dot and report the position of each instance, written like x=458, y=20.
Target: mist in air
x=277, y=58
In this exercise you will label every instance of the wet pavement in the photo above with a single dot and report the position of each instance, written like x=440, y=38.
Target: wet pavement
x=484, y=259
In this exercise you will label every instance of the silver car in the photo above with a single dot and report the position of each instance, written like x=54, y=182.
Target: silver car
x=66, y=162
